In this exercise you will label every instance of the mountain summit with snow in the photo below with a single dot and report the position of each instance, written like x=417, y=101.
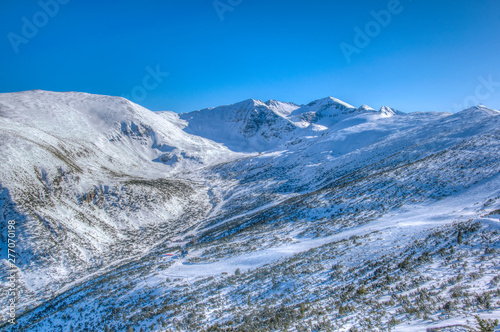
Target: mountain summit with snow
x=256, y=126
x=265, y=216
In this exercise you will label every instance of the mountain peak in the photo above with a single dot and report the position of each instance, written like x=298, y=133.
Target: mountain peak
x=329, y=102
x=283, y=109
x=365, y=108
x=277, y=102
x=478, y=110
x=247, y=103
x=387, y=111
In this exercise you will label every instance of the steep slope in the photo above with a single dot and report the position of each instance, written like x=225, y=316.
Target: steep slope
x=110, y=124
x=84, y=175
x=248, y=126
x=413, y=158
x=173, y=118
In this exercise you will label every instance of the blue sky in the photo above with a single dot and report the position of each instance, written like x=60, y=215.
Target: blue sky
x=425, y=56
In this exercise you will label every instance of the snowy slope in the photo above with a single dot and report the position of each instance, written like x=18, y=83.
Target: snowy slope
x=109, y=124
x=80, y=172
x=248, y=126
x=347, y=217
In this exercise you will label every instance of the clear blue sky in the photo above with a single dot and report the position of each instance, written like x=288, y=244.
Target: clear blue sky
x=429, y=57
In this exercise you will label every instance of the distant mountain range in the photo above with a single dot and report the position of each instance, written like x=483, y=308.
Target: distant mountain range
x=253, y=125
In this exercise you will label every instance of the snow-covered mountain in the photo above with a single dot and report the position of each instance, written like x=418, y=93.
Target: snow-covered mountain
x=256, y=126
x=250, y=125
x=82, y=173
x=318, y=217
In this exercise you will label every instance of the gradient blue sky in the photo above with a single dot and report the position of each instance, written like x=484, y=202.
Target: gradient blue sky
x=429, y=58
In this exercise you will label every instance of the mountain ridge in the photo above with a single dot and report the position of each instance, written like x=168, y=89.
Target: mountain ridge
x=255, y=126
